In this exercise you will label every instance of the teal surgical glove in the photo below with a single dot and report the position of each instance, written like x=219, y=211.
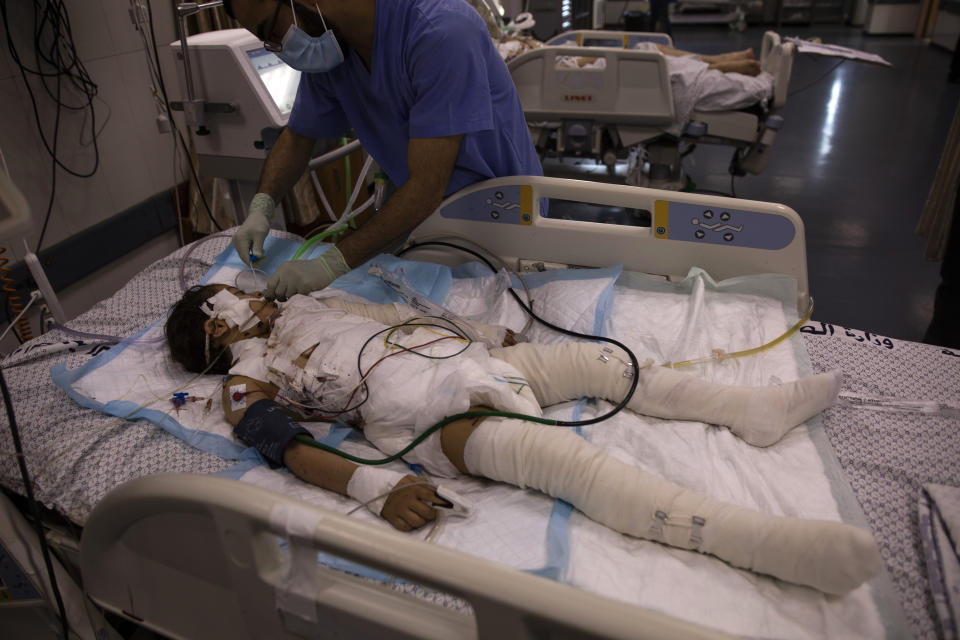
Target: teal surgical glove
x=304, y=276
x=250, y=236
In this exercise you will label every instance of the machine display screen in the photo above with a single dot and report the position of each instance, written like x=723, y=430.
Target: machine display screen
x=280, y=80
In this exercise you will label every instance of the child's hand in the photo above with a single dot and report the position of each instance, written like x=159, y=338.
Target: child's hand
x=509, y=339
x=410, y=509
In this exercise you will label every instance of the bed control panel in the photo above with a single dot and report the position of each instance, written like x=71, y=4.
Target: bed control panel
x=721, y=225
x=508, y=204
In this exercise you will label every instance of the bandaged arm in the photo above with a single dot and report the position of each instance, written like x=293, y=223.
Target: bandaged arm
x=263, y=424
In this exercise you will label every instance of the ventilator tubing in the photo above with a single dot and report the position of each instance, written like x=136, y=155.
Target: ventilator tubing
x=758, y=415
x=829, y=556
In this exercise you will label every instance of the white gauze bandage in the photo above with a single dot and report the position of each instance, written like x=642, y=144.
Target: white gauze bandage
x=371, y=484
x=830, y=556
x=228, y=307
x=395, y=313
x=758, y=415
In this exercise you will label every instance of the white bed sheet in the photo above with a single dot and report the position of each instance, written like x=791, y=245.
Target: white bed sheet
x=668, y=323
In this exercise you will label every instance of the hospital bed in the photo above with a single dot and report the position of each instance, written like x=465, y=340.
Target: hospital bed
x=191, y=555
x=606, y=111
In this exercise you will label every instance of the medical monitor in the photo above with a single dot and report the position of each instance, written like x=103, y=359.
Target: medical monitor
x=249, y=94
x=280, y=80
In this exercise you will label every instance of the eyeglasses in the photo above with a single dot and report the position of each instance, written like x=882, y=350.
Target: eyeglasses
x=269, y=43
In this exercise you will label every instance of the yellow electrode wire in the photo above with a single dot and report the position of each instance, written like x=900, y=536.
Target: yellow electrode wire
x=718, y=354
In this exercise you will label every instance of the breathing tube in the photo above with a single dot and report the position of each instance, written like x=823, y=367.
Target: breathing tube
x=634, y=364
x=348, y=214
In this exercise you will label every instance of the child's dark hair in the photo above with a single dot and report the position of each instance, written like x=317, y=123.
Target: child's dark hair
x=186, y=337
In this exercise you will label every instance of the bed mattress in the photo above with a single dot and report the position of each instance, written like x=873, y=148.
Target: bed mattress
x=77, y=455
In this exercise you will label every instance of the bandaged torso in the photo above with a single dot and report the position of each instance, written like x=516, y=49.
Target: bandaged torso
x=404, y=390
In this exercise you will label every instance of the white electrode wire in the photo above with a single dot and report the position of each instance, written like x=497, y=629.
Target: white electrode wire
x=323, y=196
x=436, y=521
x=176, y=192
x=34, y=296
x=353, y=214
x=356, y=188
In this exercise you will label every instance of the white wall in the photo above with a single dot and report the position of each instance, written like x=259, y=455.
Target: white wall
x=136, y=160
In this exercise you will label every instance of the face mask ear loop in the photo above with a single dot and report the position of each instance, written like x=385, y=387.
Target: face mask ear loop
x=322, y=21
x=293, y=10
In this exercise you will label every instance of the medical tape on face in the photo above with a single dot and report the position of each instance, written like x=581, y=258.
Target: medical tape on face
x=297, y=590
x=225, y=306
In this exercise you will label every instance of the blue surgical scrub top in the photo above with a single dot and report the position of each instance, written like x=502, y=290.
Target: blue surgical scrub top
x=434, y=72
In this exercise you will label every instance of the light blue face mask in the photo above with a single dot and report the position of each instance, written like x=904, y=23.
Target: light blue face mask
x=308, y=54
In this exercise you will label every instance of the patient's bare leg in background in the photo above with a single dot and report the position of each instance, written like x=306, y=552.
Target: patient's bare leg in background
x=746, y=54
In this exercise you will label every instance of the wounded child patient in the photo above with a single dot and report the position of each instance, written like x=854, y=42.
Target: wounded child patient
x=311, y=352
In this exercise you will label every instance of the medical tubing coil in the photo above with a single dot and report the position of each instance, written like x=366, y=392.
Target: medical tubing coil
x=23, y=330
x=483, y=413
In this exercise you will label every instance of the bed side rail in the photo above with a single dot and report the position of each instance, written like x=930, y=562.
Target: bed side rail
x=632, y=88
x=603, y=38
x=195, y=556
x=727, y=237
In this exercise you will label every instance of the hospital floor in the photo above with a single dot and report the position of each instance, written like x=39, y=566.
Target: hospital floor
x=855, y=158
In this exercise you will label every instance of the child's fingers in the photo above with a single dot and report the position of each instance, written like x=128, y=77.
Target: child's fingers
x=412, y=519
x=429, y=495
x=422, y=509
x=399, y=523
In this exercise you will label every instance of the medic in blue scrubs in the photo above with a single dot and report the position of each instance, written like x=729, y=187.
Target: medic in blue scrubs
x=426, y=92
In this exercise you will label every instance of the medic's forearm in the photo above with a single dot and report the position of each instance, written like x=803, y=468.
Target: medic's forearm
x=408, y=207
x=287, y=161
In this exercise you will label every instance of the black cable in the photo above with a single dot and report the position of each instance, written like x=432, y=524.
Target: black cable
x=633, y=359
x=62, y=67
x=34, y=509
x=829, y=71
x=733, y=192
x=54, y=46
x=173, y=123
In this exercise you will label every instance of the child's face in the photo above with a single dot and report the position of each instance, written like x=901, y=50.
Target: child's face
x=254, y=328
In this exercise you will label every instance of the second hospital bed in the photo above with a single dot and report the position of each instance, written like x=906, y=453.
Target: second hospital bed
x=195, y=556
x=605, y=110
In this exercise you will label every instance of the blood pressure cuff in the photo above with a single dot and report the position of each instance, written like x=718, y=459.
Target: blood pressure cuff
x=268, y=429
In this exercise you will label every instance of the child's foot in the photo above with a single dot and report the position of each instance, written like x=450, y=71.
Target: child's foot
x=772, y=411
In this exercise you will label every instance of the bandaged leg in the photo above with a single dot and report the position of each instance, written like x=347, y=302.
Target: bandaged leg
x=830, y=556
x=758, y=415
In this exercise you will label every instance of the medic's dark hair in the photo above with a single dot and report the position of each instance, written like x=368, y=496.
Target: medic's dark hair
x=186, y=337
x=228, y=7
